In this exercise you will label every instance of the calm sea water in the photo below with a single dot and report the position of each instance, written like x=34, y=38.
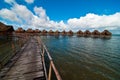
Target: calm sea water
x=80, y=58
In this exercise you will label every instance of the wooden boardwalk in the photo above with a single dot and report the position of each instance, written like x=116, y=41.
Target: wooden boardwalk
x=29, y=65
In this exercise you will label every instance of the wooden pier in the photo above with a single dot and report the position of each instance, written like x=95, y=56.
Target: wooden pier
x=29, y=63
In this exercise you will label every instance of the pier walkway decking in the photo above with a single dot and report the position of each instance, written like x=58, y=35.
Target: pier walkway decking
x=29, y=65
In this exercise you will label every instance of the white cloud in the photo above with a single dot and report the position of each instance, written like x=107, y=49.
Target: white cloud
x=39, y=19
x=29, y=1
x=10, y=1
x=9, y=15
x=40, y=12
x=23, y=13
x=28, y=19
x=96, y=21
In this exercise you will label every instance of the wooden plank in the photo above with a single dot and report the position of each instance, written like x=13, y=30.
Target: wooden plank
x=29, y=66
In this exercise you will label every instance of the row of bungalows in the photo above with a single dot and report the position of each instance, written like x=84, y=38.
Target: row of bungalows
x=29, y=31
x=95, y=33
x=52, y=33
x=86, y=33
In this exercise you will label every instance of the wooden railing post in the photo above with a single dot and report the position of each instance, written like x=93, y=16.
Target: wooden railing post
x=56, y=71
x=51, y=66
x=43, y=52
x=50, y=72
x=44, y=64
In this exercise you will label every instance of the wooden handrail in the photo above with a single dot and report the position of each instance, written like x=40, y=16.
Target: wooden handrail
x=50, y=72
x=47, y=52
x=56, y=71
x=51, y=66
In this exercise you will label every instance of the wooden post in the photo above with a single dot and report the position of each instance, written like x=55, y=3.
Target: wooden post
x=50, y=72
x=43, y=60
x=43, y=52
x=56, y=71
x=52, y=66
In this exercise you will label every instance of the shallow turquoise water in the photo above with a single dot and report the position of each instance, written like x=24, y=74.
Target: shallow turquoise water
x=80, y=58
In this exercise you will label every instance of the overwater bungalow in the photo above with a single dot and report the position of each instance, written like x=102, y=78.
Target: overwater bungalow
x=51, y=33
x=79, y=33
x=70, y=33
x=29, y=30
x=87, y=33
x=63, y=33
x=56, y=33
x=95, y=33
x=105, y=33
x=5, y=29
x=44, y=32
x=37, y=31
x=20, y=30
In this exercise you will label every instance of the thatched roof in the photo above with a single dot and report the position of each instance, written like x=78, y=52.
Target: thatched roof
x=64, y=32
x=95, y=32
x=20, y=30
x=37, y=31
x=50, y=31
x=5, y=28
x=57, y=31
x=2, y=27
x=29, y=30
x=79, y=32
x=70, y=32
x=87, y=32
x=44, y=31
x=106, y=33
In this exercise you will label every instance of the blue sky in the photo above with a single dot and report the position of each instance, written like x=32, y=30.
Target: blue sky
x=62, y=14
x=65, y=9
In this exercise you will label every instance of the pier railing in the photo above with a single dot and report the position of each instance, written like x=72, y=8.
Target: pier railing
x=51, y=66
